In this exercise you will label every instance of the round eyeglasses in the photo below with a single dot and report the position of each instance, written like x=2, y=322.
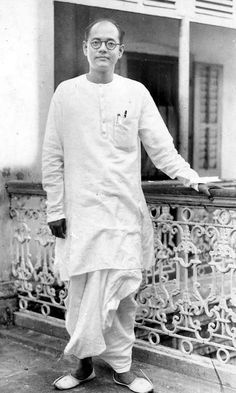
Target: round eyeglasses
x=110, y=44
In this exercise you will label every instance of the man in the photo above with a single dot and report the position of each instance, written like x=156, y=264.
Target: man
x=96, y=208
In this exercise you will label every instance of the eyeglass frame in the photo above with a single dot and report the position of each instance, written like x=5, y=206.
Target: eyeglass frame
x=105, y=41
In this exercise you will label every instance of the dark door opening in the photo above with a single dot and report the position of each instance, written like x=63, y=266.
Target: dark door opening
x=160, y=75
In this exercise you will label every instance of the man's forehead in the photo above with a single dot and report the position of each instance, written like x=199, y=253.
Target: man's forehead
x=104, y=29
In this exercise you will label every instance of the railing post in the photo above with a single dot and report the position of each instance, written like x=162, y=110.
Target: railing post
x=184, y=77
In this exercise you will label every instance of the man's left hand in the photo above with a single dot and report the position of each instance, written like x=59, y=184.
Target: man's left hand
x=206, y=188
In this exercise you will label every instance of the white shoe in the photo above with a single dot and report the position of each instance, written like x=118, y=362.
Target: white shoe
x=69, y=382
x=139, y=385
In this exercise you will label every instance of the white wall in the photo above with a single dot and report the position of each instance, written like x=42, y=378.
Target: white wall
x=26, y=65
x=26, y=80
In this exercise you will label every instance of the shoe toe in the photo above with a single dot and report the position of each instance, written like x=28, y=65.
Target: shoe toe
x=66, y=382
x=141, y=385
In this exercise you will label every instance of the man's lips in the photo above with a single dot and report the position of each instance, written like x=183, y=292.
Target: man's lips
x=102, y=58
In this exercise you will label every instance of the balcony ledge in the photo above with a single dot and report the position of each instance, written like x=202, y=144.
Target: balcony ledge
x=165, y=191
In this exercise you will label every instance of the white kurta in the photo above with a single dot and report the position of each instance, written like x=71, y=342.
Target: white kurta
x=92, y=176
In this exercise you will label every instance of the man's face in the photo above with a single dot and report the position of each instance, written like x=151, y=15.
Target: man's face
x=103, y=59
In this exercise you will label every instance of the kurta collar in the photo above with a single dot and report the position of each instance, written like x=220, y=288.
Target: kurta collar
x=105, y=85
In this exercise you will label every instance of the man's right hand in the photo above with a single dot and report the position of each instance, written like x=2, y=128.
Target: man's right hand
x=58, y=228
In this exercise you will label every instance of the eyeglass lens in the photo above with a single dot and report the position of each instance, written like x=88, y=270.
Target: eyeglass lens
x=110, y=44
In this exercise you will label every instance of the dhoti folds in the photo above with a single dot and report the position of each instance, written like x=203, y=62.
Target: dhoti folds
x=100, y=316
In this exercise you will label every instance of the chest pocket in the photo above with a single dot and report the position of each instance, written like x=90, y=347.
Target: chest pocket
x=125, y=134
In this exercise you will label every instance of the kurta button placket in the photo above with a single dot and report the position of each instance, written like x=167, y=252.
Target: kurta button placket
x=104, y=133
x=103, y=114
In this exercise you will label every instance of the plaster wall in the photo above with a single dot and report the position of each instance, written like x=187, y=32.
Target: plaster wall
x=26, y=79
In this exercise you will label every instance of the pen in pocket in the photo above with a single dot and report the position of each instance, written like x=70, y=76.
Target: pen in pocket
x=118, y=119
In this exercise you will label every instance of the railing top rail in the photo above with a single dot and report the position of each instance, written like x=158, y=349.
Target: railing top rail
x=155, y=192
x=173, y=192
x=25, y=188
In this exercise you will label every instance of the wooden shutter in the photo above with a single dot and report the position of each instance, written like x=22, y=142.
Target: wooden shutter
x=222, y=8
x=207, y=119
x=130, y=1
x=161, y=3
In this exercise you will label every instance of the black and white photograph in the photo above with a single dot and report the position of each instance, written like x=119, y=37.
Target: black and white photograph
x=118, y=196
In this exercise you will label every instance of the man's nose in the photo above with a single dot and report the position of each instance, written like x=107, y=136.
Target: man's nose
x=103, y=47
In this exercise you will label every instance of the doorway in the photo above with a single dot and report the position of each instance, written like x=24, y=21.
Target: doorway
x=160, y=76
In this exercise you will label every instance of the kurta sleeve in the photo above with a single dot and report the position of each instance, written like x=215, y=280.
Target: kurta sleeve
x=159, y=145
x=53, y=163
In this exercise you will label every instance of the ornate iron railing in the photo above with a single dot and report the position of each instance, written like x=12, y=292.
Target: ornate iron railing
x=187, y=300
x=33, y=252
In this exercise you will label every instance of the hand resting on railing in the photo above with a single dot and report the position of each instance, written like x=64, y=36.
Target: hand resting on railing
x=206, y=188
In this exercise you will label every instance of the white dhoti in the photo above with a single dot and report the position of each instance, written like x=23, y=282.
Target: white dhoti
x=100, y=316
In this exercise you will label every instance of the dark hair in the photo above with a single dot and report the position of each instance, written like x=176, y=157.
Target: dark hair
x=90, y=26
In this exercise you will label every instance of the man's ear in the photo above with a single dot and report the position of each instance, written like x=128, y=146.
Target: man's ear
x=121, y=50
x=85, y=47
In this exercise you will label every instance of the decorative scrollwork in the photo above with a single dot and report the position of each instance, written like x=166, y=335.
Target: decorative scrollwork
x=33, y=258
x=187, y=299
x=186, y=346
x=191, y=294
